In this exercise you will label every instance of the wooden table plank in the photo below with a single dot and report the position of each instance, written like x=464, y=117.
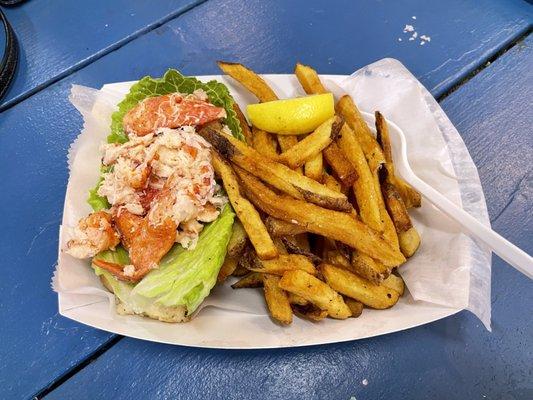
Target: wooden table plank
x=455, y=354
x=58, y=37
x=35, y=135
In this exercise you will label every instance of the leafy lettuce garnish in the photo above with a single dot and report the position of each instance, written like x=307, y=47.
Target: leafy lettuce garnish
x=172, y=82
x=184, y=277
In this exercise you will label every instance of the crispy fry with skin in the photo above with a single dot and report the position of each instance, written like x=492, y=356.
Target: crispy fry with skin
x=314, y=168
x=245, y=128
x=315, y=291
x=293, y=248
x=248, y=215
x=369, y=268
x=332, y=224
x=278, y=227
x=409, y=241
x=313, y=144
x=396, y=207
x=373, y=153
x=276, y=299
x=228, y=267
x=250, y=280
x=336, y=257
x=264, y=143
x=395, y=282
x=409, y=195
x=276, y=174
x=351, y=285
x=278, y=266
x=297, y=300
x=309, y=79
x=340, y=165
x=332, y=183
x=249, y=79
x=241, y=270
x=389, y=230
x=356, y=307
x=363, y=187
x=238, y=240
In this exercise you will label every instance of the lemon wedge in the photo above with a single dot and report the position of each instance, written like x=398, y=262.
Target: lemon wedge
x=292, y=116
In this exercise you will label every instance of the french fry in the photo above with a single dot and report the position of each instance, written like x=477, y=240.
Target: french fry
x=409, y=242
x=332, y=183
x=276, y=299
x=309, y=79
x=310, y=312
x=316, y=292
x=280, y=245
x=278, y=227
x=245, y=128
x=351, y=285
x=297, y=300
x=314, y=168
x=250, y=280
x=340, y=165
x=307, y=148
x=264, y=143
x=228, y=267
x=410, y=196
x=389, y=230
x=276, y=174
x=336, y=257
x=301, y=240
x=396, y=207
x=248, y=215
x=369, y=268
x=373, y=153
x=395, y=282
x=364, y=189
x=241, y=270
x=249, y=79
x=237, y=241
x=293, y=248
x=285, y=143
x=356, y=307
x=285, y=262
x=332, y=224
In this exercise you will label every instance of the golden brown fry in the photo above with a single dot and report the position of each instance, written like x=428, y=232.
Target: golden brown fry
x=369, y=268
x=389, y=231
x=409, y=242
x=373, y=153
x=248, y=215
x=237, y=241
x=309, y=79
x=276, y=174
x=395, y=282
x=356, y=307
x=285, y=262
x=396, y=207
x=245, y=128
x=310, y=312
x=364, y=189
x=264, y=143
x=340, y=165
x=249, y=79
x=332, y=224
x=351, y=285
x=228, y=267
x=315, y=291
x=250, y=280
x=298, y=300
x=276, y=299
x=336, y=257
x=307, y=148
x=280, y=245
x=278, y=227
x=294, y=248
x=314, y=168
x=410, y=196
x=241, y=269
x=332, y=183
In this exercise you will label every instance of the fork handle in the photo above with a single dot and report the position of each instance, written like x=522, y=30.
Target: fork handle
x=510, y=253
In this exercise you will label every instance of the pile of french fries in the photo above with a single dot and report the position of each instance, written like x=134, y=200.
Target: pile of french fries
x=322, y=218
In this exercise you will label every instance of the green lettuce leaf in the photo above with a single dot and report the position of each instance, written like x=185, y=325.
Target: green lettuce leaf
x=185, y=277
x=172, y=82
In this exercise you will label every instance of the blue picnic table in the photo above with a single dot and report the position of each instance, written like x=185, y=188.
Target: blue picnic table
x=478, y=65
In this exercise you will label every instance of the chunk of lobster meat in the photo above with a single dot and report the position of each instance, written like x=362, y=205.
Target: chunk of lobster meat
x=146, y=243
x=169, y=111
x=94, y=233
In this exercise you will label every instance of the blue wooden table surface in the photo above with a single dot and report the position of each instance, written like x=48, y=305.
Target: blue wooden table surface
x=38, y=347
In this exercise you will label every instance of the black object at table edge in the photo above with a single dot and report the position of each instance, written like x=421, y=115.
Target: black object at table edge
x=8, y=65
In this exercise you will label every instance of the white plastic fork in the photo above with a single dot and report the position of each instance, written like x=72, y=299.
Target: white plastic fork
x=513, y=255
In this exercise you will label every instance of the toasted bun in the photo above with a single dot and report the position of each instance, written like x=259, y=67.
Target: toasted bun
x=161, y=313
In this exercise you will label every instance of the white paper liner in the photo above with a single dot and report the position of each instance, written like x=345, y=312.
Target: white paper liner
x=449, y=272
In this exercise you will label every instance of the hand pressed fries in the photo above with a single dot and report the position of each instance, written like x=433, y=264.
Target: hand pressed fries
x=324, y=218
